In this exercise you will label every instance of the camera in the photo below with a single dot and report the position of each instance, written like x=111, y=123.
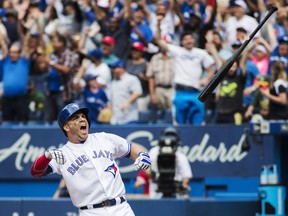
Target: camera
x=166, y=162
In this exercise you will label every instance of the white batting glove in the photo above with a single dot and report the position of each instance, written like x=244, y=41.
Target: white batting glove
x=57, y=155
x=143, y=161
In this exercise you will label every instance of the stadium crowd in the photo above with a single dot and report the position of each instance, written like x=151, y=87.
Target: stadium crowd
x=142, y=61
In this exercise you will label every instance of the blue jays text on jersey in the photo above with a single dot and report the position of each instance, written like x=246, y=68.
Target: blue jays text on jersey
x=75, y=166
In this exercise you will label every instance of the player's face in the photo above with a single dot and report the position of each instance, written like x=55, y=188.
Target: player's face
x=77, y=128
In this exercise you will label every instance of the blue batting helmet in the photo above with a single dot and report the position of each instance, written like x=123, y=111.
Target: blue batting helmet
x=68, y=111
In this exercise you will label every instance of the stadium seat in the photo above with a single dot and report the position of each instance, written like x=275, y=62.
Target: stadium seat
x=148, y=116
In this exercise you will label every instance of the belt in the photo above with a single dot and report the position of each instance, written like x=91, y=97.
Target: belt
x=164, y=86
x=105, y=203
x=180, y=87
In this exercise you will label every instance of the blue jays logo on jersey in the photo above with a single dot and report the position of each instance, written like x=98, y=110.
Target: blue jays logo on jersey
x=112, y=169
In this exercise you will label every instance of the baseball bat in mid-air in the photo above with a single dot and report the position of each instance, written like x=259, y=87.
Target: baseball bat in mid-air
x=216, y=79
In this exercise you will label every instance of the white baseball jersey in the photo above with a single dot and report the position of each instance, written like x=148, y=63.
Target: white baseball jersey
x=90, y=172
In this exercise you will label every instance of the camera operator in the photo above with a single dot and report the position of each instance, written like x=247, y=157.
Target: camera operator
x=170, y=168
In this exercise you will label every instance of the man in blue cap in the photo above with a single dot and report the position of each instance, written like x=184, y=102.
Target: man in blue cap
x=95, y=66
x=125, y=90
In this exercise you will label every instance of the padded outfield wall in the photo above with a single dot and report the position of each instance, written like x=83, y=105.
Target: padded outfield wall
x=215, y=154
x=222, y=170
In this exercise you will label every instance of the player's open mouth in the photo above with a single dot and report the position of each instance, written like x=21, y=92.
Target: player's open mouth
x=83, y=127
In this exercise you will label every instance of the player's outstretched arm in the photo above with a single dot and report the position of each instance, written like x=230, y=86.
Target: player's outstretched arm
x=40, y=166
x=142, y=158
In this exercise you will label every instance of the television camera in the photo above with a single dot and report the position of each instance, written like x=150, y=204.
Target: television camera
x=166, y=163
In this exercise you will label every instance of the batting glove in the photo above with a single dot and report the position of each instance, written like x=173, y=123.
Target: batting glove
x=143, y=161
x=57, y=155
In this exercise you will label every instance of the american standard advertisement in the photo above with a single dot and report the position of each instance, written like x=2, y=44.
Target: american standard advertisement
x=212, y=151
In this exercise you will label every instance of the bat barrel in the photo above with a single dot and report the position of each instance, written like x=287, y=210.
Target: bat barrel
x=216, y=79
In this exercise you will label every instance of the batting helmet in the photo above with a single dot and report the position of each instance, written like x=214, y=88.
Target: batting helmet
x=68, y=111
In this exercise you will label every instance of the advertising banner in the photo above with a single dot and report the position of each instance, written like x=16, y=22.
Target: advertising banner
x=213, y=151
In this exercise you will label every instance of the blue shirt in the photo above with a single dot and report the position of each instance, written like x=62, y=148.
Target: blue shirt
x=54, y=81
x=15, y=76
x=146, y=31
x=95, y=102
x=252, y=73
x=275, y=57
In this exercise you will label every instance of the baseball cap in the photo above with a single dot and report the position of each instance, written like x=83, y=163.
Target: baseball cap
x=236, y=44
x=241, y=4
x=88, y=77
x=138, y=46
x=108, y=40
x=283, y=39
x=95, y=53
x=11, y=12
x=260, y=48
x=119, y=63
x=241, y=29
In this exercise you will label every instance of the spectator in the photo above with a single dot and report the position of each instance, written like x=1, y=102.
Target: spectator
x=238, y=19
x=268, y=30
x=107, y=48
x=15, y=69
x=214, y=46
x=140, y=32
x=277, y=92
x=38, y=71
x=93, y=65
x=260, y=54
x=143, y=179
x=160, y=73
x=169, y=21
x=280, y=53
x=125, y=90
x=59, y=82
x=36, y=100
x=281, y=21
x=95, y=98
x=251, y=75
x=52, y=20
x=137, y=66
x=11, y=22
x=260, y=103
x=89, y=15
x=120, y=33
x=69, y=15
x=32, y=17
x=188, y=109
x=198, y=18
x=229, y=96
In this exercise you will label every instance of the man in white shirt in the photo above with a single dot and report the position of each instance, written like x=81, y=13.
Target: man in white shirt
x=239, y=19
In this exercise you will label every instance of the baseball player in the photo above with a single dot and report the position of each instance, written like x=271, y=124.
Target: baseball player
x=87, y=164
